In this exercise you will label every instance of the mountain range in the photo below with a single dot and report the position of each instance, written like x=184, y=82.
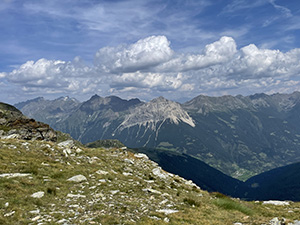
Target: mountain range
x=239, y=135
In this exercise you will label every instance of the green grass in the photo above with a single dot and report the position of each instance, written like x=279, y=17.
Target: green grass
x=230, y=204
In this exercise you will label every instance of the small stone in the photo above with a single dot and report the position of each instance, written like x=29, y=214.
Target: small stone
x=275, y=221
x=68, y=143
x=167, y=220
x=6, y=204
x=9, y=214
x=37, y=211
x=275, y=202
x=150, y=190
x=67, y=152
x=77, y=178
x=128, y=161
x=158, y=172
x=93, y=160
x=127, y=174
x=38, y=194
x=36, y=218
x=149, y=181
x=78, y=150
x=141, y=156
x=76, y=196
x=101, y=172
x=114, y=192
x=163, y=202
x=13, y=175
x=154, y=218
x=99, y=195
x=63, y=221
x=167, y=211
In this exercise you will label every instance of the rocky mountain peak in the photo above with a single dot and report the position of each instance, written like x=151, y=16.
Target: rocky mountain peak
x=205, y=104
x=156, y=112
x=35, y=100
x=95, y=96
x=114, y=103
x=159, y=99
x=280, y=102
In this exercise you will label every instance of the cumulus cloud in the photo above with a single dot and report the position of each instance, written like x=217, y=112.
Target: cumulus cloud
x=148, y=80
x=53, y=76
x=253, y=63
x=44, y=71
x=142, y=55
x=218, y=52
x=152, y=66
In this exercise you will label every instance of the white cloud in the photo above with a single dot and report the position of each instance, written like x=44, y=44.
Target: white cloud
x=252, y=63
x=44, y=71
x=150, y=67
x=142, y=55
x=53, y=76
x=285, y=11
x=2, y=75
x=147, y=80
x=237, y=5
x=216, y=53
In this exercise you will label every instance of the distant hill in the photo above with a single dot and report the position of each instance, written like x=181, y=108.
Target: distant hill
x=239, y=135
x=282, y=183
x=49, y=111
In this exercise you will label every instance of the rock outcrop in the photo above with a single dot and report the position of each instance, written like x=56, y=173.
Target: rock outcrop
x=13, y=124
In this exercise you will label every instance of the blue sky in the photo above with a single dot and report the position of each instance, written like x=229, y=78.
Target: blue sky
x=146, y=49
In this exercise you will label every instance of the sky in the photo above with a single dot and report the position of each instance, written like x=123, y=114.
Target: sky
x=178, y=49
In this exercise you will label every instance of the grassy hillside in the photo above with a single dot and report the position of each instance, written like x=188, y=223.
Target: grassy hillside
x=118, y=187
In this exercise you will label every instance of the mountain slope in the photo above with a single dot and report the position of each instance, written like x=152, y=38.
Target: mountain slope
x=246, y=134
x=282, y=183
x=193, y=169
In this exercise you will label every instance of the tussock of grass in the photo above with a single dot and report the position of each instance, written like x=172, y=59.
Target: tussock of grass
x=229, y=204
